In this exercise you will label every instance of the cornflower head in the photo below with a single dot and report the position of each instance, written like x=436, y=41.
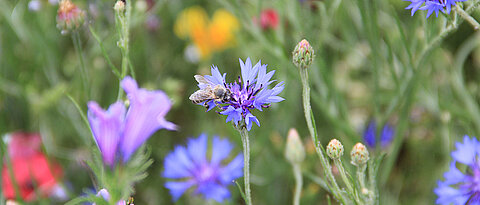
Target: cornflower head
x=249, y=92
x=119, y=132
x=207, y=36
x=386, y=135
x=69, y=16
x=444, y=6
x=189, y=167
x=462, y=187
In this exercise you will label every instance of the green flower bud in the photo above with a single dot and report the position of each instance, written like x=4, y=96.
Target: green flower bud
x=294, y=152
x=303, y=54
x=69, y=16
x=119, y=6
x=359, y=154
x=334, y=149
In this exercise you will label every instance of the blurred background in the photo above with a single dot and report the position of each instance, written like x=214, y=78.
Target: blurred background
x=370, y=65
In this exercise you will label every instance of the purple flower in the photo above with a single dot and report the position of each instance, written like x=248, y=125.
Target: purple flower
x=116, y=132
x=370, y=135
x=444, y=6
x=247, y=93
x=459, y=187
x=189, y=167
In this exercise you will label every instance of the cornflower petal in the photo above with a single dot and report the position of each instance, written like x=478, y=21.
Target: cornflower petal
x=233, y=114
x=209, y=177
x=107, y=128
x=223, y=148
x=197, y=149
x=248, y=72
x=178, y=188
x=466, y=151
x=249, y=119
x=215, y=79
x=144, y=117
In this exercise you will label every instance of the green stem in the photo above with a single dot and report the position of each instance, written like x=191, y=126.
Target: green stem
x=467, y=17
x=346, y=179
x=77, y=43
x=123, y=29
x=297, y=172
x=246, y=162
x=307, y=108
x=361, y=176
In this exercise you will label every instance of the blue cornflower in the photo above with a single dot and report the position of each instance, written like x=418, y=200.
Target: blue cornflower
x=458, y=187
x=444, y=6
x=190, y=166
x=247, y=93
x=121, y=132
x=370, y=135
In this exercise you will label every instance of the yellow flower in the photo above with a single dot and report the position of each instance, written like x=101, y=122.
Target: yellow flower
x=207, y=36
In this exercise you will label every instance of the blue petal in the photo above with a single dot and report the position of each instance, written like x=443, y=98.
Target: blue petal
x=178, y=164
x=369, y=136
x=178, y=188
x=197, y=149
x=466, y=153
x=144, y=117
x=214, y=191
x=216, y=78
x=387, y=135
x=249, y=119
x=233, y=114
x=248, y=72
x=107, y=128
x=232, y=171
x=448, y=195
x=454, y=176
x=221, y=149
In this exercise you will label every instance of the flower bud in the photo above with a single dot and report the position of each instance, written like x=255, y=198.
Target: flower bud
x=119, y=6
x=303, y=54
x=69, y=16
x=359, y=154
x=294, y=152
x=334, y=149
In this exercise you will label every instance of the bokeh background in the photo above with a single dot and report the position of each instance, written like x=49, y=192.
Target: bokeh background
x=369, y=65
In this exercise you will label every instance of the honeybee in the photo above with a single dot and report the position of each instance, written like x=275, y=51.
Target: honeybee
x=219, y=93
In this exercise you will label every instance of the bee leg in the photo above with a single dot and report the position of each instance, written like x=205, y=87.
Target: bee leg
x=206, y=105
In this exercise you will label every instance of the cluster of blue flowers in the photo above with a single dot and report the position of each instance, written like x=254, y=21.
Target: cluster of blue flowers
x=444, y=6
x=248, y=92
x=118, y=133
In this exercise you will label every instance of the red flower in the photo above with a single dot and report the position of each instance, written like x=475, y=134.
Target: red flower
x=269, y=19
x=30, y=167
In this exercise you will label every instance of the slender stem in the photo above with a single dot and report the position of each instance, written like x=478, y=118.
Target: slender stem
x=246, y=162
x=297, y=171
x=346, y=179
x=306, y=104
x=307, y=108
x=123, y=29
x=467, y=17
x=77, y=43
x=361, y=176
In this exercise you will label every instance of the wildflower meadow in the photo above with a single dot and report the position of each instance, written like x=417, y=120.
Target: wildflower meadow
x=302, y=102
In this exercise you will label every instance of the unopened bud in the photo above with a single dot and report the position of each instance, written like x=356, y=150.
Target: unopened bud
x=334, y=149
x=294, y=152
x=303, y=54
x=359, y=154
x=69, y=16
x=119, y=6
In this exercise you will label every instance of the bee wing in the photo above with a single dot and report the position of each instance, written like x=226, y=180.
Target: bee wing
x=202, y=80
x=201, y=95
